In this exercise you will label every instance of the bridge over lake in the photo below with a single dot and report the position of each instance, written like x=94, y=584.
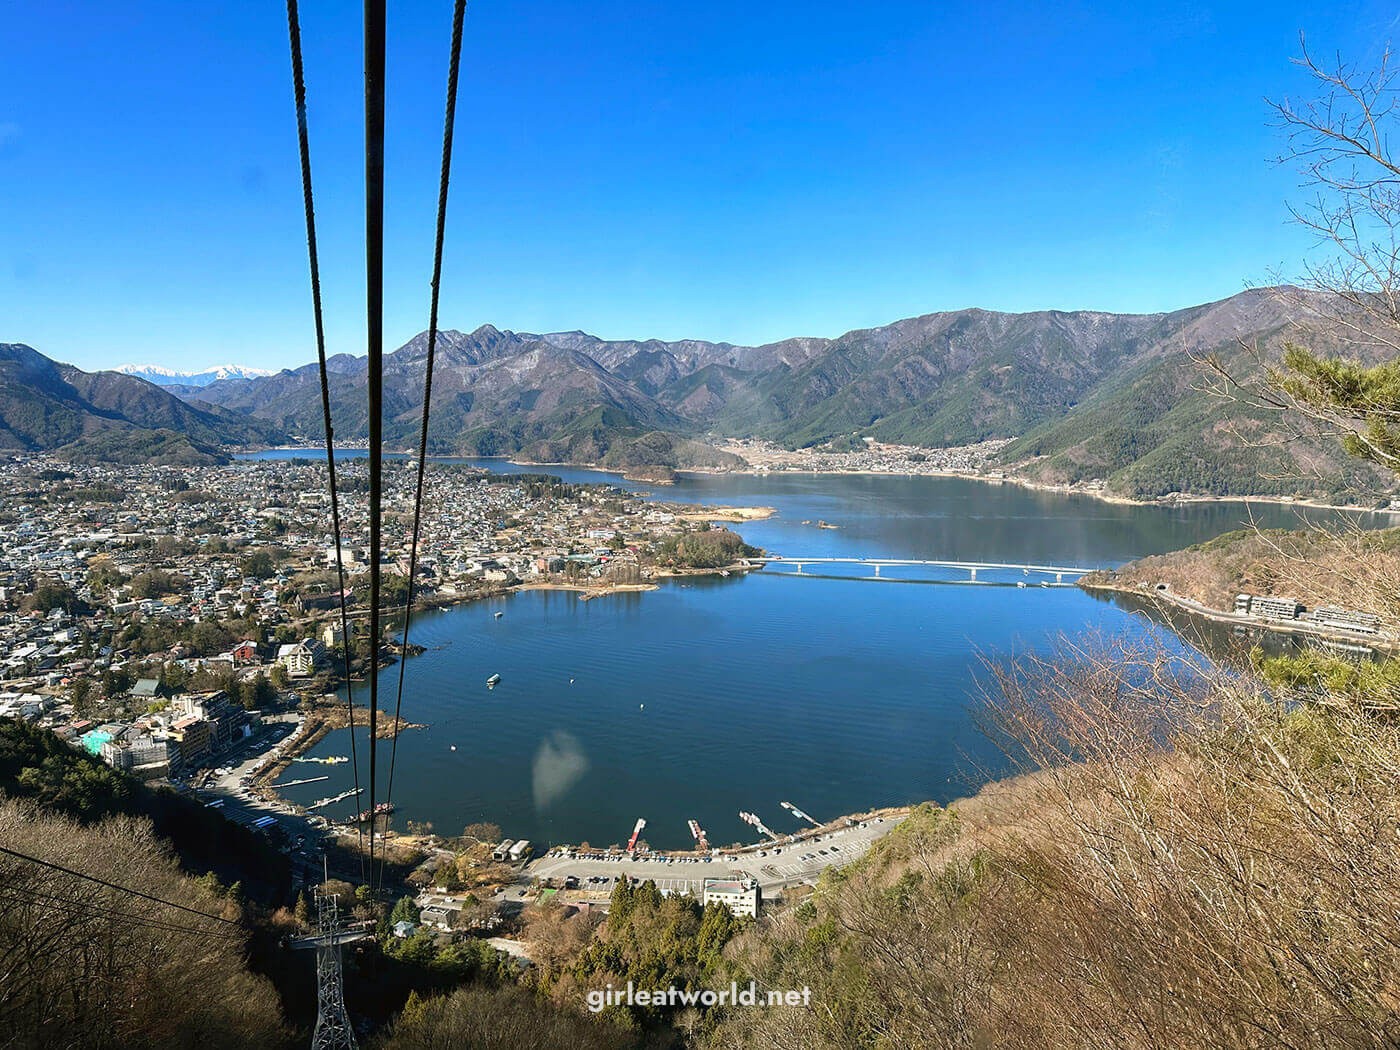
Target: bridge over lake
x=790, y=565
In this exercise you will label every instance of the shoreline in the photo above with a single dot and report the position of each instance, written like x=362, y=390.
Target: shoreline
x=324, y=718
x=1379, y=642
x=590, y=590
x=1060, y=490
x=317, y=723
x=734, y=851
x=1007, y=479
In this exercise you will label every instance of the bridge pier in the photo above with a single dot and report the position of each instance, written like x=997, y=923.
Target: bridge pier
x=877, y=569
x=974, y=575
x=1059, y=577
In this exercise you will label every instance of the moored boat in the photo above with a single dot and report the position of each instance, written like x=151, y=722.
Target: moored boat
x=382, y=809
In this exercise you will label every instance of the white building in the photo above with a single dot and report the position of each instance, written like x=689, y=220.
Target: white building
x=740, y=896
x=300, y=658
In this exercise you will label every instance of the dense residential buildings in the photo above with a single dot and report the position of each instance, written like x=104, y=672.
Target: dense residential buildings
x=868, y=456
x=148, y=613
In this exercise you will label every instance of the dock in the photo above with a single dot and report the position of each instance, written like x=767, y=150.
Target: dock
x=322, y=803
x=752, y=819
x=799, y=814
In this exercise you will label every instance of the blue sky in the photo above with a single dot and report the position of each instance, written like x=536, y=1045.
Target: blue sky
x=732, y=171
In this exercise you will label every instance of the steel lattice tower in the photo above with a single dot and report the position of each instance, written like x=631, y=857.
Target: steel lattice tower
x=333, y=1031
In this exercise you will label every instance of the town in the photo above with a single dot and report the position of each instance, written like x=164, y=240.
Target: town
x=184, y=626
x=159, y=616
x=868, y=456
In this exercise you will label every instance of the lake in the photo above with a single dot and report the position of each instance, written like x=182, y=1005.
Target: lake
x=708, y=695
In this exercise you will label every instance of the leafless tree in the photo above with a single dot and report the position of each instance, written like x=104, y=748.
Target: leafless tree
x=1345, y=304
x=1185, y=863
x=1340, y=142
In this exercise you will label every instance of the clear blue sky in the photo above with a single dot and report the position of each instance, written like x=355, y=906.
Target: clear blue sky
x=740, y=171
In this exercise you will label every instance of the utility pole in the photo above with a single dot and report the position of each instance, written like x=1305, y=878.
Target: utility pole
x=333, y=1031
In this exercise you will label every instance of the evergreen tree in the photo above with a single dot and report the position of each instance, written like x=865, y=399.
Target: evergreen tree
x=405, y=910
x=621, y=904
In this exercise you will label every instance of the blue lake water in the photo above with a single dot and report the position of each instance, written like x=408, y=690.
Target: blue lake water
x=710, y=695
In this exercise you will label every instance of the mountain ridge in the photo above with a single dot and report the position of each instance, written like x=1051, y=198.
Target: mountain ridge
x=49, y=406
x=163, y=376
x=1085, y=397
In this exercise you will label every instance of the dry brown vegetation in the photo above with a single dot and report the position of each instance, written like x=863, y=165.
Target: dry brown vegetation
x=1192, y=865
x=86, y=966
x=477, y=1018
x=1348, y=567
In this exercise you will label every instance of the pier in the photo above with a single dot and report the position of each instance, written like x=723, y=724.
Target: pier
x=753, y=820
x=784, y=862
x=322, y=803
x=295, y=783
x=799, y=814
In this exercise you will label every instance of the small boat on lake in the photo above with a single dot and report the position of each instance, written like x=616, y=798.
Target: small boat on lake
x=499, y=615
x=493, y=681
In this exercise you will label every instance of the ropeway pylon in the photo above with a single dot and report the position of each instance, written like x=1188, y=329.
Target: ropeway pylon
x=333, y=1031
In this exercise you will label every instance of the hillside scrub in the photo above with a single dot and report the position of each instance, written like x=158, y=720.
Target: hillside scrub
x=1190, y=864
x=511, y=1018
x=650, y=939
x=1346, y=567
x=1325, y=678
x=38, y=767
x=87, y=966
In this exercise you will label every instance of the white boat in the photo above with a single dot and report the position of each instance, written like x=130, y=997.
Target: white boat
x=493, y=681
x=499, y=615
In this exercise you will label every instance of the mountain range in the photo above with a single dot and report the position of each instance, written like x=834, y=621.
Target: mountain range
x=110, y=417
x=1087, y=397
x=162, y=376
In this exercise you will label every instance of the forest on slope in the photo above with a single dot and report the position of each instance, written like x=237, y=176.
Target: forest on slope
x=1115, y=398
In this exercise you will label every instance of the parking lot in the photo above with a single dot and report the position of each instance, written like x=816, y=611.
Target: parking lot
x=775, y=866
x=225, y=789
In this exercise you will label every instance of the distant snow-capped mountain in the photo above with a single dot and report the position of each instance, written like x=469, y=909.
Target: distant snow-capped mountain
x=163, y=376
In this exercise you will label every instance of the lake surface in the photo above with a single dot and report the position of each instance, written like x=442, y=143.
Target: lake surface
x=710, y=695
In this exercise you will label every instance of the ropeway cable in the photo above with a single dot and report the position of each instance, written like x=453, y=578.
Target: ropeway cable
x=448, y=122
x=308, y=199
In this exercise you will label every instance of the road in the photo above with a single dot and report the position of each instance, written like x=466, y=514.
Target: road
x=1300, y=627
x=227, y=793
x=776, y=866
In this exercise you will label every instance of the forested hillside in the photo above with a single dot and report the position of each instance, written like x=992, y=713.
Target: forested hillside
x=1089, y=397
x=108, y=417
x=1168, y=879
x=104, y=967
x=1113, y=398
